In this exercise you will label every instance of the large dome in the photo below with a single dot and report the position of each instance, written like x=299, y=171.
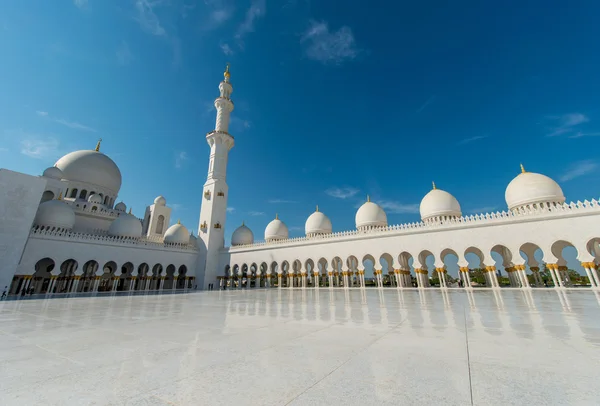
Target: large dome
x=91, y=167
x=317, y=223
x=276, y=230
x=55, y=213
x=438, y=204
x=530, y=188
x=242, y=236
x=370, y=215
x=126, y=225
x=177, y=234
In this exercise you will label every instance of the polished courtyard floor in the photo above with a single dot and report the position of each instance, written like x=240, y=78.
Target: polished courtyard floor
x=311, y=347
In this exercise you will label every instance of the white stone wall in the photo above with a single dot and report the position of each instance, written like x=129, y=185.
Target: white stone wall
x=19, y=199
x=575, y=224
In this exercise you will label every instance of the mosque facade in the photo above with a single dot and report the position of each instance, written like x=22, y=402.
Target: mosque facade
x=66, y=232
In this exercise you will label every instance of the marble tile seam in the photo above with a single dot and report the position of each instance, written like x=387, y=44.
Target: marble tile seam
x=468, y=355
x=354, y=354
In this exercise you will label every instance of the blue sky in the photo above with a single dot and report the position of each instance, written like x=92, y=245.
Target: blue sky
x=332, y=103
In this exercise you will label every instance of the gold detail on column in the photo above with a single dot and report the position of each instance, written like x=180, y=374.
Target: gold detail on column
x=490, y=268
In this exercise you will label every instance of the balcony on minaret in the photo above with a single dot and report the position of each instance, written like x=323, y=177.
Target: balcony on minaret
x=203, y=226
x=220, y=194
x=217, y=225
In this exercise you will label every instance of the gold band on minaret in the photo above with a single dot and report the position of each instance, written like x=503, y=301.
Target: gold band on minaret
x=226, y=74
x=98, y=145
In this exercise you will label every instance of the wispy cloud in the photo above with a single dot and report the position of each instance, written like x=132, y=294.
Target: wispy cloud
x=472, y=139
x=341, y=193
x=239, y=124
x=483, y=209
x=578, y=169
x=80, y=3
x=566, y=123
x=221, y=15
x=230, y=209
x=257, y=10
x=180, y=159
x=39, y=147
x=427, y=103
x=391, y=206
x=296, y=228
x=329, y=47
x=226, y=49
x=71, y=124
x=2, y=149
x=280, y=201
x=256, y=213
x=581, y=134
x=147, y=18
x=174, y=206
x=124, y=55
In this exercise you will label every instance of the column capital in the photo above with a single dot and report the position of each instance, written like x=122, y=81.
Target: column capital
x=534, y=268
x=490, y=268
x=464, y=269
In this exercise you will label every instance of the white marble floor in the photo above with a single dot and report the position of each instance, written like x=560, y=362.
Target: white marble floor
x=324, y=347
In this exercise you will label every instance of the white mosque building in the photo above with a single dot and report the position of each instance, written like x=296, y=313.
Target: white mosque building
x=62, y=232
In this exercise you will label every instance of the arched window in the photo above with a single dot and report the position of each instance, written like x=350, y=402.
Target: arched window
x=48, y=195
x=83, y=194
x=74, y=193
x=160, y=224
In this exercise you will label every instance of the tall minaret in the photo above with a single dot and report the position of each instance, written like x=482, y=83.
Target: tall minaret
x=215, y=193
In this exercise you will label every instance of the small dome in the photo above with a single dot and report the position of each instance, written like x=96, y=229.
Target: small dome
x=276, y=230
x=55, y=213
x=177, y=234
x=95, y=199
x=53, y=173
x=120, y=206
x=370, y=215
x=91, y=167
x=160, y=201
x=317, y=223
x=126, y=225
x=532, y=188
x=439, y=203
x=242, y=236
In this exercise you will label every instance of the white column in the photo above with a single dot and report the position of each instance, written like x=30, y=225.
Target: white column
x=549, y=267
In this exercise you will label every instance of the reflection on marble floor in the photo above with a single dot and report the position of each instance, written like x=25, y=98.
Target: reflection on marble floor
x=303, y=347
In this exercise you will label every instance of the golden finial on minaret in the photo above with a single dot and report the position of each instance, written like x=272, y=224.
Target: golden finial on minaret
x=433, y=183
x=130, y=210
x=243, y=223
x=368, y=198
x=522, y=169
x=276, y=216
x=98, y=145
x=60, y=195
x=226, y=74
x=317, y=207
x=178, y=221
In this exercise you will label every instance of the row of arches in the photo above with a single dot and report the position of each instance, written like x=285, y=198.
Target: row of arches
x=83, y=194
x=529, y=267
x=68, y=277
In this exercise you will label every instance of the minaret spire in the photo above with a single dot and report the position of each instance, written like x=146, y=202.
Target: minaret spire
x=433, y=184
x=522, y=169
x=98, y=145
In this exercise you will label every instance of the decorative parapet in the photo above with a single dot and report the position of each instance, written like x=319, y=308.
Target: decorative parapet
x=143, y=242
x=564, y=210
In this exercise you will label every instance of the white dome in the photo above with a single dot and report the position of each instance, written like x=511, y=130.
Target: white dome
x=95, y=199
x=370, y=215
x=120, y=206
x=276, y=230
x=531, y=188
x=317, y=223
x=242, y=236
x=177, y=234
x=160, y=201
x=91, y=167
x=126, y=225
x=53, y=172
x=439, y=203
x=55, y=213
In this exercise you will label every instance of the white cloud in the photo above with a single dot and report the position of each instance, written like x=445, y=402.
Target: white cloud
x=71, y=124
x=230, y=209
x=256, y=213
x=471, y=139
x=80, y=3
x=391, y=206
x=221, y=15
x=565, y=124
x=279, y=201
x=124, y=55
x=581, y=134
x=239, y=124
x=147, y=18
x=174, y=206
x=257, y=9
x=226, y=49
x=578, y=169
x=42, y=113
x=342, y=193
x=329, y=47
x=35, y=147
x=180, y=159
x=2, y=149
